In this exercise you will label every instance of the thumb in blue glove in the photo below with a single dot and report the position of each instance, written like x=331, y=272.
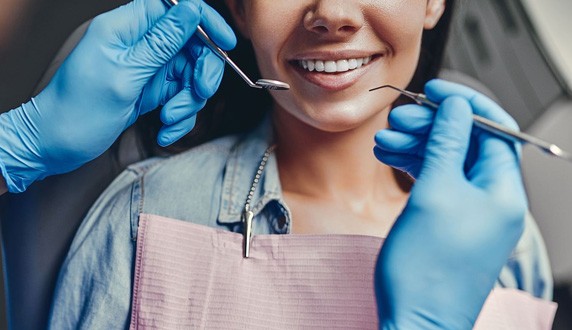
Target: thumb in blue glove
x=130, y=61
x=464, y=216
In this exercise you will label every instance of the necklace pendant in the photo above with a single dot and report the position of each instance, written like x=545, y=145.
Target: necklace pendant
x=247, y=217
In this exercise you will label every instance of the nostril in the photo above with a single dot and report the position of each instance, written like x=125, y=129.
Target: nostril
x=331, y=27
x=342, y=30
x=347, y=29
x=320, y=29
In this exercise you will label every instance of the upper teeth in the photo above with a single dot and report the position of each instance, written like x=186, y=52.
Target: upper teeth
x=334, y=66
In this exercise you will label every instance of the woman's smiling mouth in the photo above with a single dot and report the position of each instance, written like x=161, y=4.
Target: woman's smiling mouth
x=333, y=75
x=334, y=66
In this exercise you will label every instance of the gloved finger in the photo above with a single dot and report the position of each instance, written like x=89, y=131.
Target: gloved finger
x=178, y=78
x=144, y=13
x=169, y=134
x=167, y=82
x=166, y=38
x=497, y=159
x=164, y=85
x=448, y=141
x=179, y=116
x=411, y=118
x=172, y=88
x=399, y=142
x=208, y=72
x=410, y=164
x=179, y=67
x=182, y=106
x=493, y=153
x=217, y=28
x=438, y=90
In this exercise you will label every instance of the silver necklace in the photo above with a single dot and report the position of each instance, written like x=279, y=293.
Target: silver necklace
x=247, y=214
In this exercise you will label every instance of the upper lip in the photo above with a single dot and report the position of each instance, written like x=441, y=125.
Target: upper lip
x=334, y=55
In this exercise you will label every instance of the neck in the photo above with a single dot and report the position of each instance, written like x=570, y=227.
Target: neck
x=337, y=166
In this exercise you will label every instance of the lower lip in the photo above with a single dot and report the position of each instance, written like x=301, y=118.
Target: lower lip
x=332, y=81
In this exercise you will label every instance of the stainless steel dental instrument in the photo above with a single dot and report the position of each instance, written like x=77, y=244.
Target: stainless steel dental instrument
x=260, y=83
x=490, y=126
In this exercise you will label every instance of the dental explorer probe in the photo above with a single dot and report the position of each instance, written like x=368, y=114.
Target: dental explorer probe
x=260, y=83
x=490, y=126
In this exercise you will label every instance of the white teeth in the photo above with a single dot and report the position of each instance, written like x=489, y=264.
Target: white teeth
x=352, y=64
x=342, y=65
x=330, y=66
x=311, y=65
x=334, y=66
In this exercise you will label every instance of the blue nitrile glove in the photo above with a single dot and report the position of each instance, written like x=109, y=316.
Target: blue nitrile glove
x=463, y=218
x=130, y=61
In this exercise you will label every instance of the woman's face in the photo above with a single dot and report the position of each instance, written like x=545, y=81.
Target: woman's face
x=332, y=52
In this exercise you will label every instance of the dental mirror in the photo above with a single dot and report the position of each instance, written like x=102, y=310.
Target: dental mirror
x=260, y=83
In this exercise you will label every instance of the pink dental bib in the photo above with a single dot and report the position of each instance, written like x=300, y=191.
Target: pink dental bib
x=189, y=276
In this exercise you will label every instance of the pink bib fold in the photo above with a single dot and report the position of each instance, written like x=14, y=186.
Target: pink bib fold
x=189, y=276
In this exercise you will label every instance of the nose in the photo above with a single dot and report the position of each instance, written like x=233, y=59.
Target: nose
x=334, y=18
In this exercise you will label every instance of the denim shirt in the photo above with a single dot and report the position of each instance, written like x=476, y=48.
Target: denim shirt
x=206, y=185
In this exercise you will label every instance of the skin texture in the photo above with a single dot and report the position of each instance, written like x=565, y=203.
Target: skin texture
x=325, y=124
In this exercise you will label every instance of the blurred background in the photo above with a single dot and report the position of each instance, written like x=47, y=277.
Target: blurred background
x=521, y=50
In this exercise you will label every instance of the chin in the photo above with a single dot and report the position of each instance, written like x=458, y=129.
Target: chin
x=335, y=119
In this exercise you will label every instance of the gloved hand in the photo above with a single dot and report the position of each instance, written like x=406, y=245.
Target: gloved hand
x=463, y=218
x=130, y=61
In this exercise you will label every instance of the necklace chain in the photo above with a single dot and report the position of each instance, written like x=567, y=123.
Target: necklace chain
x=259, y=172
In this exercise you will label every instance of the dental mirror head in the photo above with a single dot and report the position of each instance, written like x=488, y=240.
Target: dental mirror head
x=272, y=84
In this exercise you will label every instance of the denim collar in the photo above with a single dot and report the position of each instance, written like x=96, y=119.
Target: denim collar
x=241, y=168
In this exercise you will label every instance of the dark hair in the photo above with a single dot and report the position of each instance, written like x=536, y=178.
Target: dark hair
x=236, y=108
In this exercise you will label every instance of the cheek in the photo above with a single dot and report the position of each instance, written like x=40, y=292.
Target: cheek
x=398, y=23
x=269, y=29
x=266, y=50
